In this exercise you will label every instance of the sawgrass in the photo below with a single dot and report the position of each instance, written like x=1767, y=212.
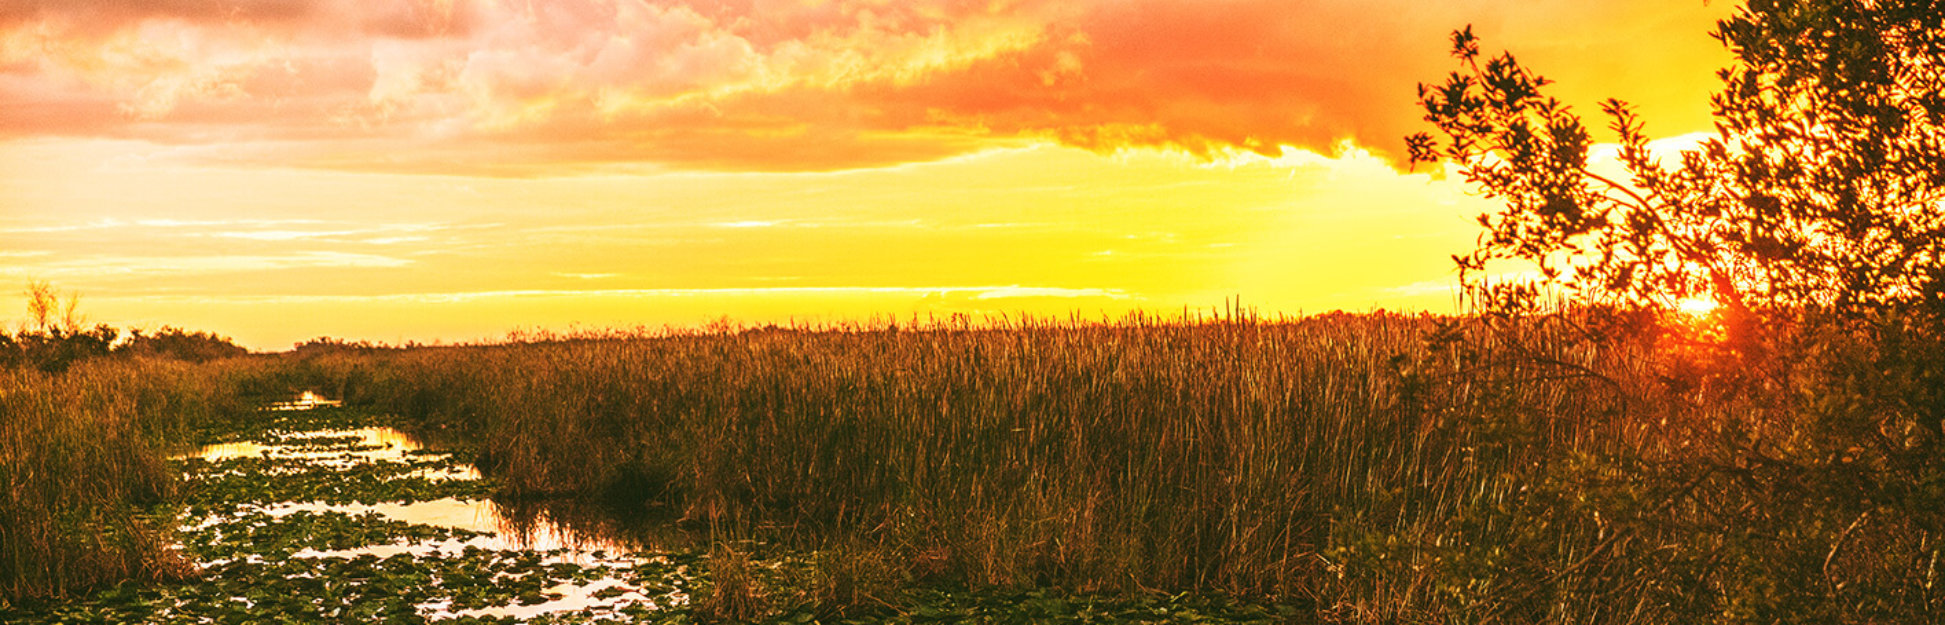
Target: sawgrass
x=1573, y=467
x=1236, y=455
x=81, y=455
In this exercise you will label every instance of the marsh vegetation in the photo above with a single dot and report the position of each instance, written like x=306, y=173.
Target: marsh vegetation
x=1776, y=457
x=1575, y=467
x=1581, y=466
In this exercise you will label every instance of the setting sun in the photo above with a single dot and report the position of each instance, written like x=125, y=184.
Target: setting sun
x=1697, y=306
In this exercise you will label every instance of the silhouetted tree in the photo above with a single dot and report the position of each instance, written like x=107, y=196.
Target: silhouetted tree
x=49, y=313
x=1820, y=189
x=1813, y=217
x=57, y=338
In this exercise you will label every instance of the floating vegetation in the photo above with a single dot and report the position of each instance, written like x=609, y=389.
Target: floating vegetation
x=270, y=479
x=273, y=428
x=264, y=530
x=322, y=516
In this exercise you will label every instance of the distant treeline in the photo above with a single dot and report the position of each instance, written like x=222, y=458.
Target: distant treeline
x=54, y=350
x=57, y=338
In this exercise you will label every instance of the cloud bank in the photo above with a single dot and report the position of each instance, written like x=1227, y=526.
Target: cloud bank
x=514, y=87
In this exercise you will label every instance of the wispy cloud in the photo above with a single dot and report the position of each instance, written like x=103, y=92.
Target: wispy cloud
x=268, y=230
x=394, y=240
x=966, y=292
x=109, y=266
x=1014, y=292
x=1448, y=286
x=286, y=235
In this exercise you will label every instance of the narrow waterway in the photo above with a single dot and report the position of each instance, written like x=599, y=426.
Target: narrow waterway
x=315, y=513
x=311, y=512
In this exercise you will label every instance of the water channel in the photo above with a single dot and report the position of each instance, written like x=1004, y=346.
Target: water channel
x=310, y=512
x=602, y=558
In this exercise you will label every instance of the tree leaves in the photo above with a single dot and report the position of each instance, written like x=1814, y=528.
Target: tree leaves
x=1820, y=188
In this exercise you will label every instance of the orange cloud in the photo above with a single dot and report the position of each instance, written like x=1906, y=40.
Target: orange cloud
x=515, y=88
x=1259, y=74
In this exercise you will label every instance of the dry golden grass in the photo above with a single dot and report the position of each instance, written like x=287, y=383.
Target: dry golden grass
x=1232, y=455
x=1565, y=468
x=1376, y=468
x=80, y=456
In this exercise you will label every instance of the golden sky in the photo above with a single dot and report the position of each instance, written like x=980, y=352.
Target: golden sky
x=450, y=170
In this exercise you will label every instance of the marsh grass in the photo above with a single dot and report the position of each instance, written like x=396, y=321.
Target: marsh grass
x=1237, y=455
x=81, y=458
x=1571, y=467
x=1357, y=468
x=733, y=594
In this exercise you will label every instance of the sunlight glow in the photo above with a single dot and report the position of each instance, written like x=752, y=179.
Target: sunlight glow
x=1696, y=306
x=276, y=174
x=306, y=401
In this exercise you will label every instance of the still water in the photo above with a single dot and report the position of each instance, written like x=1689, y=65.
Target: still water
x=562, y=531
x=538, y=526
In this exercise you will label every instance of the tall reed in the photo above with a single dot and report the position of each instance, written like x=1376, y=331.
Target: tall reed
x=1214, y=455
x=1379, y=468
x=81, y=454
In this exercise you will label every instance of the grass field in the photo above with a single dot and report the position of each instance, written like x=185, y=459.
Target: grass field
x=81, y=457
x=1361, y=468
x=1371, y=467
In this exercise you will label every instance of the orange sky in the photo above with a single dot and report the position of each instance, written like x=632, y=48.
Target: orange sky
x=452, y=169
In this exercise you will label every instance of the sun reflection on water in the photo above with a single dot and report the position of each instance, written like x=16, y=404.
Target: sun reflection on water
x=306, y=401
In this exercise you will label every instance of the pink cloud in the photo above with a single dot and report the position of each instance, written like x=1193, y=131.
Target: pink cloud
x=505, y=87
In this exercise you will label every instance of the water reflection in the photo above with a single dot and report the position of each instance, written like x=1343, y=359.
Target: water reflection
x=306, y=401
x=577, y=524
x=537, y=526
x=558, y=547
x=558, y=532
x=572, y=526
x=573, y=597
x=373, y=444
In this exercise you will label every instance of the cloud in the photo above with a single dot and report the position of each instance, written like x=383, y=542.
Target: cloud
x=1012, y=292
x=127, y=266
x=500, y=87
x=955, y=293
x=250, y=229
x=1449, y=286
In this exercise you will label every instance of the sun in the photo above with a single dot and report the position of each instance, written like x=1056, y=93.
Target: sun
x=1696, y=306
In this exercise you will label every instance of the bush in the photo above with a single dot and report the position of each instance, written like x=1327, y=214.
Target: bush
x=176, y=343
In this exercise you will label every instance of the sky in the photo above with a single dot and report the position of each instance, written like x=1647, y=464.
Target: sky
x=452, y=170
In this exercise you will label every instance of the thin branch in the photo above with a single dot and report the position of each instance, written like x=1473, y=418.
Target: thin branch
x=1640, y=203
